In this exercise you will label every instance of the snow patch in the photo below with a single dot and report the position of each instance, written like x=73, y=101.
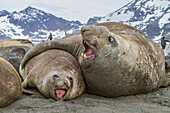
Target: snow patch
x=164, y=20
x=10, y=30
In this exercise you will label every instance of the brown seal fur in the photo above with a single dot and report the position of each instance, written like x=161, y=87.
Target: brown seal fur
x=53, y=72
x=13, y=50
x=167, y=71
x=10, y=83
x=116, y=59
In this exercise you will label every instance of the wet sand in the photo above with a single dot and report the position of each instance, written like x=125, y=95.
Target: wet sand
x=154, y=102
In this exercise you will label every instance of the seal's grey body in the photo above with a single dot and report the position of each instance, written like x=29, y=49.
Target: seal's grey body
x=10, y=83
x=56, y=74
x=116, y=59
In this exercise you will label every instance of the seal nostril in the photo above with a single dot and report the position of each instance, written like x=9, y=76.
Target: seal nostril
x=65, y=83
x=70, y=78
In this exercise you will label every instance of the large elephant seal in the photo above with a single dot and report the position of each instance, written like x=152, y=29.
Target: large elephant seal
x=13, y=50
x=10, y=83
x=116, y=59
x=55, y=73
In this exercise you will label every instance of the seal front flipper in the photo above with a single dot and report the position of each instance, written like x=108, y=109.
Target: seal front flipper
x=70, y=45
x=25, y=91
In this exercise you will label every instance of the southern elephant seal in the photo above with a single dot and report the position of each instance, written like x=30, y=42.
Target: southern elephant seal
x=10, y=83
x=116, y=59
x=13, y=50
x=55, y=73
x=167, y=70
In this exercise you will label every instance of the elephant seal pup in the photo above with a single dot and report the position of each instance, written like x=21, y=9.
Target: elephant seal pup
x=116, y=59
x=10, y=83
x=13, y=50
x=55, y=73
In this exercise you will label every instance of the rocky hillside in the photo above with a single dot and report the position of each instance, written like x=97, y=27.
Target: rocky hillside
x=34, y=24
x=150, y=16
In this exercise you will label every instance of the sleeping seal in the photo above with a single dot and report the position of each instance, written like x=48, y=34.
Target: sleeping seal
x=13, y=50
x=55, y=73
x=10, y=83
x=116, y=59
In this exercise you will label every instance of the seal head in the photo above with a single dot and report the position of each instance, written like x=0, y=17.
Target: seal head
x=59, y=85
x=100, y=44
x=55, y=73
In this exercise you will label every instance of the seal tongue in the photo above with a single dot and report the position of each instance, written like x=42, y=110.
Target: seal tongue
x=60, y=93
x=89, y=53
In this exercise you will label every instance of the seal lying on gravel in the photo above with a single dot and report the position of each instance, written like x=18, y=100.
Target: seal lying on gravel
x=10, y=83
x=116, y=59
x=13, y=50
x=167, y=67
x=55, y=73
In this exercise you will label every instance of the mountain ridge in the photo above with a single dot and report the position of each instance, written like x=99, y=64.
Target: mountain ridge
x=149, y=16
x=33, y=24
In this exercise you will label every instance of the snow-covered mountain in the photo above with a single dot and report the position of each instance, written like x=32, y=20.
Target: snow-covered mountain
x=34, y=24
x=152, y=17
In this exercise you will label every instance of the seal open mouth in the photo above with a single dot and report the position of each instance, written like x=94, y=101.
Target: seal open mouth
x=60, y=93
x=88, y=53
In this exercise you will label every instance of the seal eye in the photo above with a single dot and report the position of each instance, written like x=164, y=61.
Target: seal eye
x=55, y=77
x=70, y=78
x=111, y=39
